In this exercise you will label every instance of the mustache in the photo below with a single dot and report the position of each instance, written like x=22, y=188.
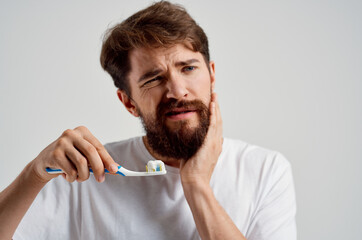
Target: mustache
x=171, y=104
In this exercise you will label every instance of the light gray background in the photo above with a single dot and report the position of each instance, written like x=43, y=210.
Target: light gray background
x=288, y=78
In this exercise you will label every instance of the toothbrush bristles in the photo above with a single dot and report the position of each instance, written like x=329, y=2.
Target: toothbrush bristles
x=155, y=166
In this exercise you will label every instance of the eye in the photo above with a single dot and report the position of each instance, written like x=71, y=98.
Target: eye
x=153, y=80
x=188, y=68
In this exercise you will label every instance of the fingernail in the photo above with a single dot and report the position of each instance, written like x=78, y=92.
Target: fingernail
x=101, y=178
x=114, y=168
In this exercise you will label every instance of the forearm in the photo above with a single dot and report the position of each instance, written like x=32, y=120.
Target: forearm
x=16, y=199
x=211, y=220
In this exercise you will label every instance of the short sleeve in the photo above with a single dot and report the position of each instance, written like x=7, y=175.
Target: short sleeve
x=274, y=218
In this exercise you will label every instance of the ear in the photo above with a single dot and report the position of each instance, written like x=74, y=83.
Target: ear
x=212, y=75
x=127, y=102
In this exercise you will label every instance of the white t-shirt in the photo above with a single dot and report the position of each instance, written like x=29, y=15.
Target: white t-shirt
x=253, y=185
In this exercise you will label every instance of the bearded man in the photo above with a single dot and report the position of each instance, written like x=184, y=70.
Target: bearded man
x=215, y=187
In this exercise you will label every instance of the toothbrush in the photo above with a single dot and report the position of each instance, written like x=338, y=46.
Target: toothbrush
x=153, y=168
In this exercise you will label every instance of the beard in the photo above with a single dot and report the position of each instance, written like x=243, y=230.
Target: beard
x=183, y=141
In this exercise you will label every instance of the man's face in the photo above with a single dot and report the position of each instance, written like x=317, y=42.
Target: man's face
x=171, y=89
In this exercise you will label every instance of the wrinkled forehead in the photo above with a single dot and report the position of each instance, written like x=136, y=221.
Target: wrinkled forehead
x=145, y=58
x=146, y=54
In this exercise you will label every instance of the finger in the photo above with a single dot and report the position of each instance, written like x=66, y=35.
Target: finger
x=80, y=163
x=217, y=108
x=69, y=171
x=62, y=162
x=87, y=150
x=212, y=111
x=217, y=117
x=91, y=154
x=107, y=160
x=214, y=96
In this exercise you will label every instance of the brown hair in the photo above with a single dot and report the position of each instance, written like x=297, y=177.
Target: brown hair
x=162, y=24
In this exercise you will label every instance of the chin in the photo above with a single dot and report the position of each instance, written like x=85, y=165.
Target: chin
x=183, y=125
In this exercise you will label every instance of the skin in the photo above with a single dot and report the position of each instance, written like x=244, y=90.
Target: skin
x=77, y=149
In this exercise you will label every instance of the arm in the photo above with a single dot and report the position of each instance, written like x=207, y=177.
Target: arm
x=211, y=220
x=16, y=199
x=73, y=152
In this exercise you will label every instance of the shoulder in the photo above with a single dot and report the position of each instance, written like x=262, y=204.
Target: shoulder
x=266, y=177
x=253, y=159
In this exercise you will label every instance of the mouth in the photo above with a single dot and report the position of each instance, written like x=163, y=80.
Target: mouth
x=180, y=113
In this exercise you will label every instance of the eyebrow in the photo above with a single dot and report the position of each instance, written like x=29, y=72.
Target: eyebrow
x=156, y=71
x=187, y=62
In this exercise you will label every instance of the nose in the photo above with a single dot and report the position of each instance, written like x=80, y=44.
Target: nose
x=176, y=87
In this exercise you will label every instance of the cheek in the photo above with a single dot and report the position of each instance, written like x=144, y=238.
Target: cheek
x=201, y=87
x=149, y=100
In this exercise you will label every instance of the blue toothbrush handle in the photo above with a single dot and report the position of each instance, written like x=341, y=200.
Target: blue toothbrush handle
x=56, y=171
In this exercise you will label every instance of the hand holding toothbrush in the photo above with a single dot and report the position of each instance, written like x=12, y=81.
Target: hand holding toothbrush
x=74, y=152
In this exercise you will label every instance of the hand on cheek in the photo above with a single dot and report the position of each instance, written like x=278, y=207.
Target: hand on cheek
x=199, y=168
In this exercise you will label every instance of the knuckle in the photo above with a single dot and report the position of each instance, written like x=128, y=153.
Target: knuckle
x=71, y=176
x=57, y=154
x=73, y=173
x=61, y=142
x=108, y=161
x=67, y=133
x=82, y=161
x=81, y=129
x=99, y=147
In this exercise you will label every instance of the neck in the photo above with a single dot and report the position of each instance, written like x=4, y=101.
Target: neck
x=173, y=162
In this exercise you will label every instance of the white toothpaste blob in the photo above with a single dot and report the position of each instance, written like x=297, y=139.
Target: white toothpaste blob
x=155, y=166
